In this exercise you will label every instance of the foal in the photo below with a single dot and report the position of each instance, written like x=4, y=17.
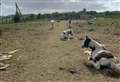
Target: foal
x=99, y=56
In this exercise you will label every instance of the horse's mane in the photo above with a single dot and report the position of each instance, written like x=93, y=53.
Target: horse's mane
x=98, y=44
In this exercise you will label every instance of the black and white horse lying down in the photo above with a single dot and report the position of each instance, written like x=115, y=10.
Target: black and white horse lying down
x=66, y=34
x=98, y=56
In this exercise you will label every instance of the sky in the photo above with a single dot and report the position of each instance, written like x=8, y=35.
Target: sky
x=7, y=7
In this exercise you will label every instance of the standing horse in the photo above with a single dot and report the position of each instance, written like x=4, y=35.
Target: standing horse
x=52, y=24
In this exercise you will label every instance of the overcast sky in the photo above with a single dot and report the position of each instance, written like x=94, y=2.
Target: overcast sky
x=48, y=6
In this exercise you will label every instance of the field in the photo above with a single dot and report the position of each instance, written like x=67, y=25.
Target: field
x=43, y=57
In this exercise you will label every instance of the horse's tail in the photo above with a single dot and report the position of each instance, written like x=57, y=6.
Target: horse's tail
x=115, y=66
x=115, y=69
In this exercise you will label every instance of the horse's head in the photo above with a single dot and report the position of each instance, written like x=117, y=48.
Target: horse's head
x=86, y=42
x=92, y=44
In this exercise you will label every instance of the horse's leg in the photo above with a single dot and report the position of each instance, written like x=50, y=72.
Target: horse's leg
x=95, y=64
x=70, y=36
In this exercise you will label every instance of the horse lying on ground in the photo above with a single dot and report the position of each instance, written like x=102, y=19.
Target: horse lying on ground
x=66, y=34
x=99, y=57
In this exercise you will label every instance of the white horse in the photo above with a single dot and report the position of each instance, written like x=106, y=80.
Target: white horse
x=98, y=56
x=52, y=24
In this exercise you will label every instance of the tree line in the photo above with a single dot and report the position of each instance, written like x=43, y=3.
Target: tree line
x=84, y=14
x=73, y=15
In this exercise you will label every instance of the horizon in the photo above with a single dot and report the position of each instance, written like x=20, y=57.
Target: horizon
x=59, y=12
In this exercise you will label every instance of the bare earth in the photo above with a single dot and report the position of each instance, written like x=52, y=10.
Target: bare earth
x=43, y=57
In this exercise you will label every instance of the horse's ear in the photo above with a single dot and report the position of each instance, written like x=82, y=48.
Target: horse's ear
x=87, y=37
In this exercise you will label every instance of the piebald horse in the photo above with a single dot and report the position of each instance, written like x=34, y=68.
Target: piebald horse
x=66, y=34
x=98, y=56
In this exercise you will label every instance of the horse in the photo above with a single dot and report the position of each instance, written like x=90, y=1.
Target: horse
x=52, y=24
x=98, y=56
x=66, y=34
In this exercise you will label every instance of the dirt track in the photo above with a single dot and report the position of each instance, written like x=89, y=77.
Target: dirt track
x=44, y=57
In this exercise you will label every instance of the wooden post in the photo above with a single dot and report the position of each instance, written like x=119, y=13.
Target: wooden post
x=18, y=13
x=6, y=19
x=69, y=24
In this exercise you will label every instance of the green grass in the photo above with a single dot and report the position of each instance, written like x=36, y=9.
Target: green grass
x=107, y=22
